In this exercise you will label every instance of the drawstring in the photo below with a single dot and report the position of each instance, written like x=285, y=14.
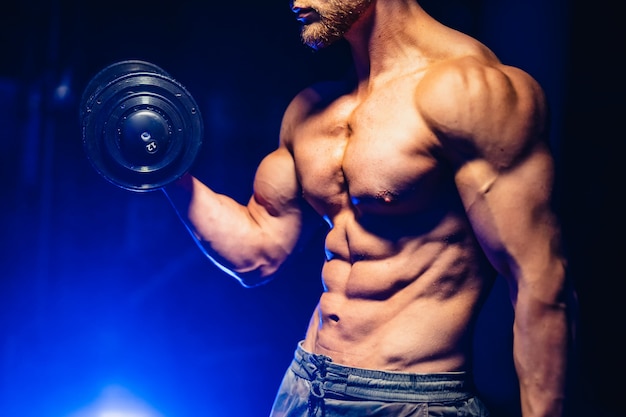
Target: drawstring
x=316, y=368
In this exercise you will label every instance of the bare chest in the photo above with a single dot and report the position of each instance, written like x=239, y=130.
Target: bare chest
x=377, y=155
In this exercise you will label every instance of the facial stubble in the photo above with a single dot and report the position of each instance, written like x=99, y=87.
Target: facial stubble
x=336, y=19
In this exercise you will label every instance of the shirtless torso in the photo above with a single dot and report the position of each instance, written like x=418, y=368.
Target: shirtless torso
x=432, y=170
x=403, y=272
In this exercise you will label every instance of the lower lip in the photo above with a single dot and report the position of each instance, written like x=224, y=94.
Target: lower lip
x=306, y=17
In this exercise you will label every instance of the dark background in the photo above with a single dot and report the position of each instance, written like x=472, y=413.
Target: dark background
x=106, y=301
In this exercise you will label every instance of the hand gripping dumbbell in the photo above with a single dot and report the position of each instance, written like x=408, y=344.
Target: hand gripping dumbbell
x=141, y=129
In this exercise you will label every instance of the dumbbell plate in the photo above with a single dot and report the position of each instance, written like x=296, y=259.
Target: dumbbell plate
x=141, y=129
x=112, y=72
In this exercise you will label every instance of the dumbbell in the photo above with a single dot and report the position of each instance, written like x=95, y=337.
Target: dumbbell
x=141, y=129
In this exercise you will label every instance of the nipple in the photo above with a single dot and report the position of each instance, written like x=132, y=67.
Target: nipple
x=386, y=196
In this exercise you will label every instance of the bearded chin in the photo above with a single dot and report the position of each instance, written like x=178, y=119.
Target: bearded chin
x=334, y=23
x=320, y=35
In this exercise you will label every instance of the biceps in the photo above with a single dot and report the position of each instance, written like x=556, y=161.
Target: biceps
x=275, y=204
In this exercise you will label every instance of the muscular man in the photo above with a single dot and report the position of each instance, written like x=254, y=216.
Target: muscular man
x=432, y=170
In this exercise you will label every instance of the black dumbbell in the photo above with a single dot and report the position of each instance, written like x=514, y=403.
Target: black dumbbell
x=141, y=129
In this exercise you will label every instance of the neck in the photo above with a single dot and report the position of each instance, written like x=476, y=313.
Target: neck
x=389, y=32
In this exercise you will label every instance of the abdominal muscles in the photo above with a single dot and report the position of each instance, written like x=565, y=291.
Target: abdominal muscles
x=404, y=297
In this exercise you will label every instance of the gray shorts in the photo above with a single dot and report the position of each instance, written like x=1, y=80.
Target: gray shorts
x=315, y=386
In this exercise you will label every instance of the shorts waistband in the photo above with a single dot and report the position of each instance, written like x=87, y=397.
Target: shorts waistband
x=329, y=380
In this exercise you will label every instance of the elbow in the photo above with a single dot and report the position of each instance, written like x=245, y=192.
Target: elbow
x=258, y=273
x=545, y=283
x=252, y=266
x=247, y=277
x=252, y=279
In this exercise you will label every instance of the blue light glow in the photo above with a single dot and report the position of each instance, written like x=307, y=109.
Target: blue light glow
x=116, y=401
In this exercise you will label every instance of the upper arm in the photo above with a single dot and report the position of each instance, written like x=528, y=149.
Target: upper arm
x=275, y=205
x=491, y=121
x=248, y=241
x=511, y=214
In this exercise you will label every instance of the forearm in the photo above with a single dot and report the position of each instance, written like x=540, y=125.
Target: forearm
x=541, y=350
x=226, y=231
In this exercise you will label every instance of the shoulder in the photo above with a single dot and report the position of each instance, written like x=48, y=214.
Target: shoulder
x=478, y=106
x=308, y=103
x=471, y=79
